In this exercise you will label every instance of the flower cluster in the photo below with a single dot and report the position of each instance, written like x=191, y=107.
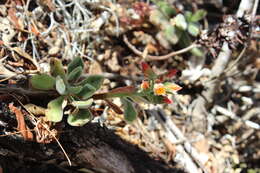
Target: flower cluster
x=154, y=89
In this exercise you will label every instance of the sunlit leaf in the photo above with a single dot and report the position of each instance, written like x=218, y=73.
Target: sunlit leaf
x=180, y=22
x=172, y=34
x=60, y=85
x=82, y=104
x=42, y=82
x=157, y=18
x=166, y=8
x=76, y=62
x=188, y=15
x=130, y=113
x=197, y=52
x=79, y=117
x=75, y=74
x=199, y=14
x=193, y=29
x=54, y=110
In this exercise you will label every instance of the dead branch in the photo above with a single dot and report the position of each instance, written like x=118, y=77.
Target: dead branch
x=203, y=102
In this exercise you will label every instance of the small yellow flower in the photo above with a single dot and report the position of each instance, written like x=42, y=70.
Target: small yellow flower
x=159, y=89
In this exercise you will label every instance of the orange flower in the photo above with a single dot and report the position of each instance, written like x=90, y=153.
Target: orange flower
x=145, y=85
x=159, y=89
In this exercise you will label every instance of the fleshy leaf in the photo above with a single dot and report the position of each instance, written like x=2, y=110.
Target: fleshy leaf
x=79, y=118
x=130, y=113
x=75, y=89
x=82, y=104
x=188, y=15
x=180, y=22
x=60, y=85
x=94, y=80
x=172, y=34
x=157, y=18
x=43, y=82
x=199, y=14
x=197, y=52
x=75, y=74
x=54, y=111
x=87, y=91
x=57, y=68
x=193, y=29
x=166, y=8
x=76, y=62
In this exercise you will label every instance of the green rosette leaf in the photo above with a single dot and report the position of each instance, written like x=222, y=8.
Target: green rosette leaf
x=60, y=85
x=43, y=82
x=79, y=117
x=54, y=110
x=94, y=80
x=82, y=104
x=87, y=91
x=57, y=68
x=76, y=62
x=75, y=74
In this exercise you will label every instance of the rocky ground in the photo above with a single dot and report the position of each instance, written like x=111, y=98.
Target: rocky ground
x=211, y=126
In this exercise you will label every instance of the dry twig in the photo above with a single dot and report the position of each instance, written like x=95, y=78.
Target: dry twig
x=158, y=58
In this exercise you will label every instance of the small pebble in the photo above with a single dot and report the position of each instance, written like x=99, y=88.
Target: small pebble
x=54, y=50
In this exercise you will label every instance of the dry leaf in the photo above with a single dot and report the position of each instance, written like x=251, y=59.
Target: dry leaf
x=5, y=72
x=25, y=55
x=21, y=127
x=15, y=20
x=34, y=29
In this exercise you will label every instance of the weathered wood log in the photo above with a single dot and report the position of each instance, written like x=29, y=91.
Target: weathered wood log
x=91, y=147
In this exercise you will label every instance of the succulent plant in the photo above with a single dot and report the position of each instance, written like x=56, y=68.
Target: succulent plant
x=177, y=27
x=75, y=94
